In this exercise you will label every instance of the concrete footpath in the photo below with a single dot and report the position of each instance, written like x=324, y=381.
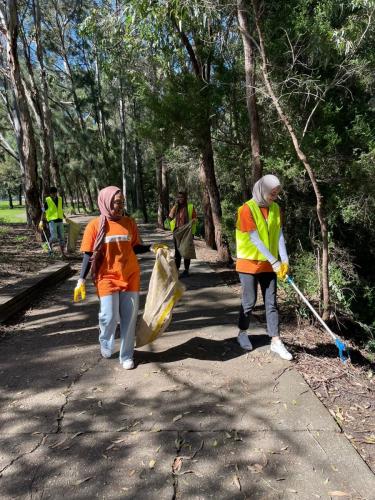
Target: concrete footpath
x=198, y=418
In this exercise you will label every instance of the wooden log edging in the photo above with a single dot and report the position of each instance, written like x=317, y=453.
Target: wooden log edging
x=18, y=296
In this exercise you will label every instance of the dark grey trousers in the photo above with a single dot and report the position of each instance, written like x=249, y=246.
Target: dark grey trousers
x=268, y=286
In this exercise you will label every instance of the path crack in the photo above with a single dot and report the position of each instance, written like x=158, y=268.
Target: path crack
x=40, y=443
x=67, y=393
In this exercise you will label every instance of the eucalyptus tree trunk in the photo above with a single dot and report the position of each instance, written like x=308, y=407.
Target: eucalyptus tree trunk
x=139, y=180
x=202, y=73
x=48, y=132
x=26, y=140
x=302, y=157
x=10, y=198
x=162, y=189
x=123, y=143
x=251, y=102
x=88, y=190
x=209, y=228
x=70, y=191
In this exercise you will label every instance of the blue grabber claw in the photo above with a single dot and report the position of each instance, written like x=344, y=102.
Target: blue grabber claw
x=342, y=350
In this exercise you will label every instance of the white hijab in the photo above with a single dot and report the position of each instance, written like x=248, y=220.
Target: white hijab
x=262, y=189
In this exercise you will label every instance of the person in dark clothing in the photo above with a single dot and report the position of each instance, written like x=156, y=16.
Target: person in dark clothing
x=181, y=213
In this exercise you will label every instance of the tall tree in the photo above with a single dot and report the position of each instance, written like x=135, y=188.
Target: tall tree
x=24, y=126
x=251, y=100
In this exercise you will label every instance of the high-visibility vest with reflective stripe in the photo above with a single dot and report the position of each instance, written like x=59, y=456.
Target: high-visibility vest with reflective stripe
x=268, y=230
x=190, y=216
x=54, y=212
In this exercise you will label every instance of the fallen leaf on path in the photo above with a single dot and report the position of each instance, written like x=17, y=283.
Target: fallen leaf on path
x=255, y=468
x=100, y=404
x=58, y=444
x=177, y=417
x=177, y=464
x=339, y=494
x=151, y=464
x=117, y=441
x=83, y=480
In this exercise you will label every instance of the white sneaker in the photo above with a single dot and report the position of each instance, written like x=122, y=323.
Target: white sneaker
x=279, y=348
x=106, y=353
x=244, y=341
x=128, y=364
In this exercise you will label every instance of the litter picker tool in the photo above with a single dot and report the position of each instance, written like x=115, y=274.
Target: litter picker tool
x=343, y=352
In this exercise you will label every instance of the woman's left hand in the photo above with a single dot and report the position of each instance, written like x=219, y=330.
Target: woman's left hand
x=155, y=247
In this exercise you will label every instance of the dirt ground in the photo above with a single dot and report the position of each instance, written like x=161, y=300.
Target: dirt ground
x=348, y=391
x=21, y=255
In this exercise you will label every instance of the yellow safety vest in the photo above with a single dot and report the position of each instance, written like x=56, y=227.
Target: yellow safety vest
x=54, y=212
x=268, y=230
x=190, y=216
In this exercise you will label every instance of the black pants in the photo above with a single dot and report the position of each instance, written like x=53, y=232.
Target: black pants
x=249, y=286
x=177, y=257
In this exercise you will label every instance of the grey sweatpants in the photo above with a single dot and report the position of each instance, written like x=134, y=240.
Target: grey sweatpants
x=268, y=286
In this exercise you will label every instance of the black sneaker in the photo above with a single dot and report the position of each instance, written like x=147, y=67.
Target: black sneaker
x=184, y=274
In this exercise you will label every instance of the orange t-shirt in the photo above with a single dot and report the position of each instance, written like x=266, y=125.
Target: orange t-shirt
x=120, y=270
x=247, y=224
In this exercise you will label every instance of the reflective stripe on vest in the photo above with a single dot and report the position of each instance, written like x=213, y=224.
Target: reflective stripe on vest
x=54, y=212
x=190, y=216
x=268, y=230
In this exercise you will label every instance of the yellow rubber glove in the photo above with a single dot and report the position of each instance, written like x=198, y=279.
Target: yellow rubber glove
x=80, y=291
x=283, y=271
x=155, y=247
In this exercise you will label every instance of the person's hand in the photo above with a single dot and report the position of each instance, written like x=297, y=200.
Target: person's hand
x=80, y=290
x=283, y=271
x=156, y=246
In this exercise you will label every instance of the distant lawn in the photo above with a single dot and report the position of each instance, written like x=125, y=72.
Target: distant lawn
x=12, y=215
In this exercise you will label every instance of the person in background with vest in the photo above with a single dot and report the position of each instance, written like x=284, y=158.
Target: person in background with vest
x=53, y=211
x=261, y=258
x=182, y=213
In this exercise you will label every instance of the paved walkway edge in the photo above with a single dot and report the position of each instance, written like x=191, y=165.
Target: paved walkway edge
x=18, y=296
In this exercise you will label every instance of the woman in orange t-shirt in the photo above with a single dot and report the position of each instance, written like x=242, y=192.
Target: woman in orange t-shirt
x=110, y=243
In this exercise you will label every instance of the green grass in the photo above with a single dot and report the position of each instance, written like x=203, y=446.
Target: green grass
x=12, y=215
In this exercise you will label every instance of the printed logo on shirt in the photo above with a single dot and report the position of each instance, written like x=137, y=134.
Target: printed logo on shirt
x=117, y=237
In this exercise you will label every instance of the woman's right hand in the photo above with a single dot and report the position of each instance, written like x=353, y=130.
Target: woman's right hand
x=80, y=290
